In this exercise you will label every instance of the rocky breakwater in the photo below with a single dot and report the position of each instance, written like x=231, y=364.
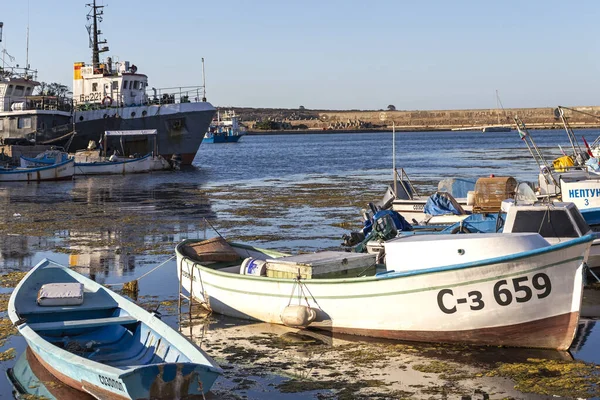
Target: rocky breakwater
x=305, y=119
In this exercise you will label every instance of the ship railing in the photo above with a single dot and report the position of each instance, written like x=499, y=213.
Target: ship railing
x=19, y=73
x=23, y=103
x=172, y=95
x=154, y=96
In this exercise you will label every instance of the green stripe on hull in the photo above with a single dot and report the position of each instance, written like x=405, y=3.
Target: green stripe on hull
x=364, y=280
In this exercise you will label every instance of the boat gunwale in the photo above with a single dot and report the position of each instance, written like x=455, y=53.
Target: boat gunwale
x=35, y=169
x=392, y=274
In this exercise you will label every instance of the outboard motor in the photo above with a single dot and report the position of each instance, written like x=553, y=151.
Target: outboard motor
x=176, y=161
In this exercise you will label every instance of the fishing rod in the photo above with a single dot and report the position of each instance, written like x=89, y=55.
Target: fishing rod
x=571, y=135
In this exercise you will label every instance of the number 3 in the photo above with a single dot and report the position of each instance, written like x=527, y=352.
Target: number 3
x=587, y=202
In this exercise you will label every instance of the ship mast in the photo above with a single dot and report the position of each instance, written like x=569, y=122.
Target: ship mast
x=95, y=15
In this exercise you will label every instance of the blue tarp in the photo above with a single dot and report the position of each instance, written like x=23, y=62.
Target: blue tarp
x=439, y=204
x=399, y=221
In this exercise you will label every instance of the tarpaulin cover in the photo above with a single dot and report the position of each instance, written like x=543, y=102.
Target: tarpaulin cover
x=440, y=204
x=457, y=187
x=399, y=221
x=561, y=163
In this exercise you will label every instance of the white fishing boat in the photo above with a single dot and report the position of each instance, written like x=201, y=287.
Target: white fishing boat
x=488, y=289
x=54, y=172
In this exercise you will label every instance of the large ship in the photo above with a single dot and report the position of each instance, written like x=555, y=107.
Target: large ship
x=108, y=95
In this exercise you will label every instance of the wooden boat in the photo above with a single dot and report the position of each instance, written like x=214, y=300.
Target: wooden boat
x=487, y=289
x=54, y=172
x=94, y=340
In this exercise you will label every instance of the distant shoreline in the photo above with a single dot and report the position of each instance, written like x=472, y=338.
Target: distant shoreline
x=389, y=129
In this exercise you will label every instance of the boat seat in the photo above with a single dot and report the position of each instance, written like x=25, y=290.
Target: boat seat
x=82, y=323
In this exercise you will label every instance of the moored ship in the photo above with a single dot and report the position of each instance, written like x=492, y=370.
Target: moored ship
x=107, y=96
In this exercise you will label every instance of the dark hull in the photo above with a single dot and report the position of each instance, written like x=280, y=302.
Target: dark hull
x=179, y=132
x=180, y=128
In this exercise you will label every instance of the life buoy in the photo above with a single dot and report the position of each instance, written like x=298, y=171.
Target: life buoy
x=107, y=101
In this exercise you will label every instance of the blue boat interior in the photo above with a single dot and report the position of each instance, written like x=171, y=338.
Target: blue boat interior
x=98, y=329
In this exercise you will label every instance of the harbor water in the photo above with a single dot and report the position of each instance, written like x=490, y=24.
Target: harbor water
x=294, y=193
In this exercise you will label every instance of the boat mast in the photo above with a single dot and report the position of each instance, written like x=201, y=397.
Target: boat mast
x=203, y=82
x=27, y=46
x=95, y=15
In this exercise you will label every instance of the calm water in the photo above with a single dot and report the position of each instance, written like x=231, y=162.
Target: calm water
x=130, y=224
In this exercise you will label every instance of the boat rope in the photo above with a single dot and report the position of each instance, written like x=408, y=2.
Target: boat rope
x=213, y=228
x=301, y=286
x=592, y=272
x=58, y=138
x=205, y=302
x=134, y=285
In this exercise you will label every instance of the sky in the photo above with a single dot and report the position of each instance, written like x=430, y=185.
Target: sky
x=330, y=54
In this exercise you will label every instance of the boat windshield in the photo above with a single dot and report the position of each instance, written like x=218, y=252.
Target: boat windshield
x=548, y=223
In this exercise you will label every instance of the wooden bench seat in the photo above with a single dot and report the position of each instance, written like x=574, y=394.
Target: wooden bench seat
x=82, y=323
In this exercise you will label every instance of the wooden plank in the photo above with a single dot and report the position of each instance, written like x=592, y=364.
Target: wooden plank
x=82, y=323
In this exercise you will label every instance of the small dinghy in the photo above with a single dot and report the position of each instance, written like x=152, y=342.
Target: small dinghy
x=94, y=340
x=53, y=172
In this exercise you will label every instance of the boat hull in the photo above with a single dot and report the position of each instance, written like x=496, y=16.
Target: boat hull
x=106, y=345
x=139, y=165
x=461, y=303
x=222, y=138
x=55, y=172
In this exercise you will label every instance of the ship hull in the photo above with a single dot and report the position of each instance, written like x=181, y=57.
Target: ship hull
x=181, y=128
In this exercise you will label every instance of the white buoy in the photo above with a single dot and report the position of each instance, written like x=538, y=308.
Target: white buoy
x=298, y=316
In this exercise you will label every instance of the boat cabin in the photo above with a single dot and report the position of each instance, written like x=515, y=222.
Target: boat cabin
x=110, y=85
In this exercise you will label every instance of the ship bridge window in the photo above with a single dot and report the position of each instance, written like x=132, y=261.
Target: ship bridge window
x=24, y=122
x=136, y=84
x=19, y=89
x=9, y=90
x=1, y=124
x=28, y=91
x=125, y=85
x=115, y=85
x=95, y=87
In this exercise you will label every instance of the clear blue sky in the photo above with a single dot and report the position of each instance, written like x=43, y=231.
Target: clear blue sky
x=332, y=54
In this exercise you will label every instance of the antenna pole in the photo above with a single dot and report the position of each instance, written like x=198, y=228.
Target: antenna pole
x=394, y=156
x=27, y=46
x=203, y=82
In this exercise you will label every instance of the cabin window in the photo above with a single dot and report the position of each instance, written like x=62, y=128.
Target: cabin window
x=125, y=85
x=24, y=122
x=9, y=90
x=548, y=223
x=136, y=84
x=1, y=124
x=115, y=85
x=28, y=91
x=19, y=89
x=95, y=87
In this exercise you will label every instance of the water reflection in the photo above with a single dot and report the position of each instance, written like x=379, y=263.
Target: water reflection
x=29, y=377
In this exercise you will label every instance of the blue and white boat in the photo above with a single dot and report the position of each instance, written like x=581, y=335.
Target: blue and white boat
x=226, y=129
x=52, y=172
x=99, y=342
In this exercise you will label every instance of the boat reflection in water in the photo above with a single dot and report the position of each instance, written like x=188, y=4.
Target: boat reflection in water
x=30, y=378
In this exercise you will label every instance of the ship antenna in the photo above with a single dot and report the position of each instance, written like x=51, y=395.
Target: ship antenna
x=27, y=46
x=95, y=15
x=203, y=82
